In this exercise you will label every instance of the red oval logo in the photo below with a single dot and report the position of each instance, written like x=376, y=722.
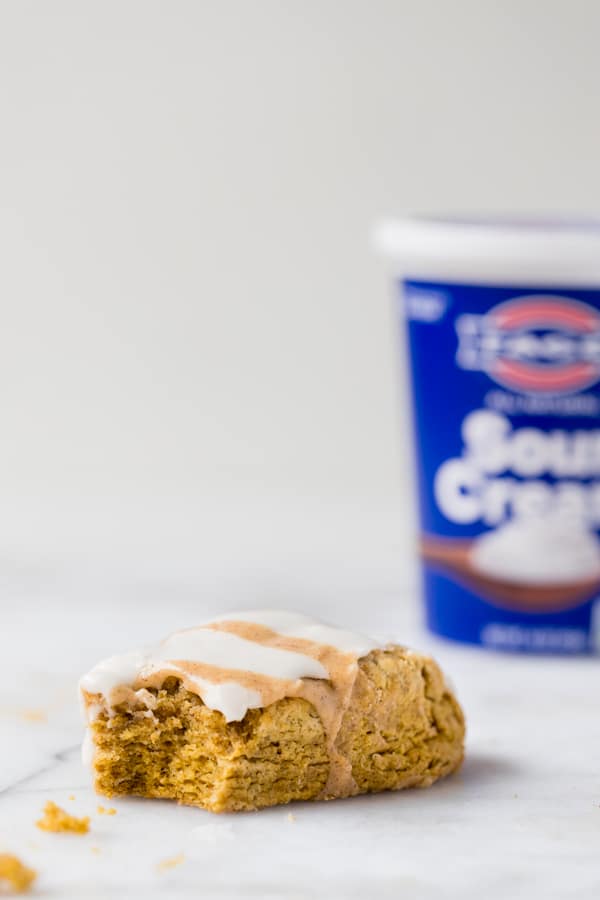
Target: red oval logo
x=538, y=344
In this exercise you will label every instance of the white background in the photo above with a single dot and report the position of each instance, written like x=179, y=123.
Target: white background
x=195, y=336
x=202, y=405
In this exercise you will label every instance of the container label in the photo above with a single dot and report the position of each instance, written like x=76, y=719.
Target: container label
x=506, y=386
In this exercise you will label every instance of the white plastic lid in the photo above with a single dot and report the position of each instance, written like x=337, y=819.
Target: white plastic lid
x=544, y=252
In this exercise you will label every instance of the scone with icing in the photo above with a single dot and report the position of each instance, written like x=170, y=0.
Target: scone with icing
x=259, y=708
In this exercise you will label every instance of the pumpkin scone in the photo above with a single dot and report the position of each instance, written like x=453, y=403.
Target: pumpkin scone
x=258, y=708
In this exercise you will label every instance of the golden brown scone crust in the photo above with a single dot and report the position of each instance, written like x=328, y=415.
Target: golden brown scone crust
x=402, y=728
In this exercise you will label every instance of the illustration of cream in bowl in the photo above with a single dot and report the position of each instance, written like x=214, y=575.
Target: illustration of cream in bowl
x=532, y=563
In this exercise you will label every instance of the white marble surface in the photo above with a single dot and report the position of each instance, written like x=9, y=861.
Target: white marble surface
x=522, y=819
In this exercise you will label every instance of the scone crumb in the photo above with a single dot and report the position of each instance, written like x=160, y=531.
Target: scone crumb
x=34, y=715
x=56, y=819
x=103, y=811
x=14, y=874
x=71, y=796
x=171, y=863
x=291, y=817
x=95, y=849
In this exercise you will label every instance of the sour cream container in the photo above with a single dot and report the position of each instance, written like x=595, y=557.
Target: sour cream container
x=503, y=325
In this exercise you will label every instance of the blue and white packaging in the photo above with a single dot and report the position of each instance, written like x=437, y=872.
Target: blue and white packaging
x=503, y=324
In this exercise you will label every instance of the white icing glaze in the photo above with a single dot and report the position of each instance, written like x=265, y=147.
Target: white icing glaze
x=92, y=711
x=217, y=648
x=209, y=647
x=88, y=749
x=111, y=672
x=232, y=699
x=293, y=624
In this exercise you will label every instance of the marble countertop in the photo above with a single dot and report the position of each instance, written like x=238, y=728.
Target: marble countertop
x=522, y=819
